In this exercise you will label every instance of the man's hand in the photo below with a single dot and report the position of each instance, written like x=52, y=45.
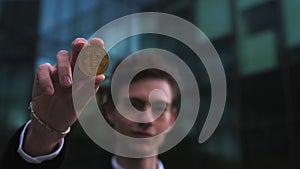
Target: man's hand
x=52, y=99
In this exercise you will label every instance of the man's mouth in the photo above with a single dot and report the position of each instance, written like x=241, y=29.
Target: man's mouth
x=139, y=134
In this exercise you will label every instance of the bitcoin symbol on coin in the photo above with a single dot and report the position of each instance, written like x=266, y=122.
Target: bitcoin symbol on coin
x=93, y=60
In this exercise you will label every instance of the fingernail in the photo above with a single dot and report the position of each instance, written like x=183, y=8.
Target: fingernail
x=99, y=79
x=49, y=90
x=67, y=80
x=81, y=41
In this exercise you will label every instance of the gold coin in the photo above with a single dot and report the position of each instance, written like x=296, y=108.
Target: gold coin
x=93, y=60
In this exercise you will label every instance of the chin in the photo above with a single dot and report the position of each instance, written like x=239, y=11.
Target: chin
x=140, y=147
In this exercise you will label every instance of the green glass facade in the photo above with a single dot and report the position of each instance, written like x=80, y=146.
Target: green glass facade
x=258, y=42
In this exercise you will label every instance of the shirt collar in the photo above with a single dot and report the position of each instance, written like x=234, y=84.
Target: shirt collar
x=115, y=164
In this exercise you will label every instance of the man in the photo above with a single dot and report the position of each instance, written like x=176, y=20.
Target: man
x=40, y=143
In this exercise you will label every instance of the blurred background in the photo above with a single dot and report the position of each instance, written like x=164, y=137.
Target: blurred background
x=258, y=42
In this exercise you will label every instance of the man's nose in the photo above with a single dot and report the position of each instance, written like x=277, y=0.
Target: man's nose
x=146, y=116
x=147, y=119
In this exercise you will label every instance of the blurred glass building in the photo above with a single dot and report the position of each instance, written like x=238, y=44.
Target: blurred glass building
x=258, y=42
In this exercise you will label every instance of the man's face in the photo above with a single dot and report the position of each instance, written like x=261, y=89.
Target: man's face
x=159, y=116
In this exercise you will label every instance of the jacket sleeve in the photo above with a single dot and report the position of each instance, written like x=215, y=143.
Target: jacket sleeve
x=12, y=160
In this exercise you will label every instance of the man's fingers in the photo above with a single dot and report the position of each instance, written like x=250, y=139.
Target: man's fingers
x=77, y=45
x=82, y=85
x=97, y=42
x=99, y=79
x=43, y=78
x=64, y=68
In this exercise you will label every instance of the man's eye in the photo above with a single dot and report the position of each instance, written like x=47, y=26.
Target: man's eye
x=139, y=105
x=158, y=108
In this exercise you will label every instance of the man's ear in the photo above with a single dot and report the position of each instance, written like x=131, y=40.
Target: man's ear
x=110, y=115
x=173, y=115
x=172, y=119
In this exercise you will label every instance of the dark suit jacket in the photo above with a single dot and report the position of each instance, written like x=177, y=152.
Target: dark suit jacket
x=12, y=160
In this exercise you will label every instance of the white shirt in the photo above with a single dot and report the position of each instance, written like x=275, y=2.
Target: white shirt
x=37, y=159
x=115, y=164
x=40, y=159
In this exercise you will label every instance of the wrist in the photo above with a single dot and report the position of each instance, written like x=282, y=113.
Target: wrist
x=45, y=124
x=39, y=140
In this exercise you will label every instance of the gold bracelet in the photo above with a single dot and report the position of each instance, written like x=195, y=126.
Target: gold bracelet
x=44, y=124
